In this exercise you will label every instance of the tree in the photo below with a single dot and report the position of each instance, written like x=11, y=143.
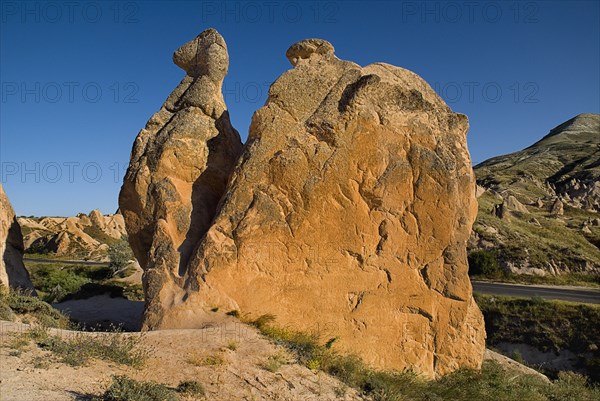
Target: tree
x=119, y=255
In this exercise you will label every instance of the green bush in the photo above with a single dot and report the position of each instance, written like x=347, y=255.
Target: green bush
x=24, y=304
x=484, y=263
x=54, y=284
x=125, y=389
x=6, y=312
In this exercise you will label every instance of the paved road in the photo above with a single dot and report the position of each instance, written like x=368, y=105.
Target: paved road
x=586, y=295
x=66, y=262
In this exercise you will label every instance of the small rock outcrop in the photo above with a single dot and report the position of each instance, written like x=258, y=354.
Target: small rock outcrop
x=513, y=204
x=13, y=273
x=557, y=208
x=180, y=164
x=500, y=211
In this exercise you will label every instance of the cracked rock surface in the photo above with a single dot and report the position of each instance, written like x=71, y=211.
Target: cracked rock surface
x=346, y=215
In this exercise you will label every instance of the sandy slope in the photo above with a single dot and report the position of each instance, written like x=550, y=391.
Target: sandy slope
x=239, y=377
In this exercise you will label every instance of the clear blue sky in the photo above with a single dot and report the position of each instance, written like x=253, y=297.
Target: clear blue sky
x=79, y=79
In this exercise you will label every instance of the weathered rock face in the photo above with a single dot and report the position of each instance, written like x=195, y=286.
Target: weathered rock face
x=347, y=215
x=12, y=271
x=179, y=168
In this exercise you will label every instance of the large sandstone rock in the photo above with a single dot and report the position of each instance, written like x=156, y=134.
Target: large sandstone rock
x=12, y=271
x=180, y=164
x=347, y=215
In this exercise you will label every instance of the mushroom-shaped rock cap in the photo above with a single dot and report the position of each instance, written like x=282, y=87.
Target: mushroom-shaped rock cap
x=307, y=48
x=206, y=54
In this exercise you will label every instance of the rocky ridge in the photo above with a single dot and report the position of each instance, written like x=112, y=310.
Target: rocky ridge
x=539, y=207
x=77, y=237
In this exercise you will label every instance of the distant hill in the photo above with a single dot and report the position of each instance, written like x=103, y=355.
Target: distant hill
x=539, y=207
x=79, y=237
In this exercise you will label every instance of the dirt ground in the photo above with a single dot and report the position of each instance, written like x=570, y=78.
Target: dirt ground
x=237, y=374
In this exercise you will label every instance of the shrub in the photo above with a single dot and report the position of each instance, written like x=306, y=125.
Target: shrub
x=274, y=362
x=24, y=304
x=37, y=247
x=191, y=387
x=125, y=389
x=484, y=263
x=6, y=312
x=517, y=356
x=56, y=283
x=573, y=386
x=78, y=348
x=211, y=360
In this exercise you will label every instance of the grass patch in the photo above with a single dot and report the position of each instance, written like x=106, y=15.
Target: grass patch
x=276, y=361
x=552, y=240
x=78, y=348
x=232, y=345
x=491, y=383
x=546, y=325
x=100, y=235
x=210, y=360
x=27, y=308
x=56, y=282
x=123, y=388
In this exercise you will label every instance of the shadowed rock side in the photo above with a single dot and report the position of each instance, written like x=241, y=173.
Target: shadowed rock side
x=347, y=215
x=179, y=168
x=12, y=270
